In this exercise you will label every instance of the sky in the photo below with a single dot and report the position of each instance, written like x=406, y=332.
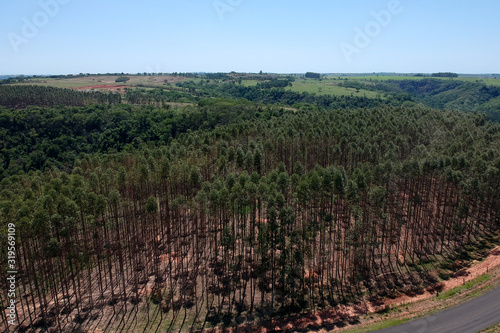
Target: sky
x=293, y=36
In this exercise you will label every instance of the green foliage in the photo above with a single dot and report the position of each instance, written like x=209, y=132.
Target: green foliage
x=311, y=75
x=21, y=96
x=157, y=96
x=307, y=205
x=273, y=93
x=468, y=285
x=445, y=74
x=438, y=93
x=122, y=79
x=151, y=205
x=39, y=138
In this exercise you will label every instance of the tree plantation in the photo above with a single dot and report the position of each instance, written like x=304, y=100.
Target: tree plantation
x=21, y=96
x=144, y=218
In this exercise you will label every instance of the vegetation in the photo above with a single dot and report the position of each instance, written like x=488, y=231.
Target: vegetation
x=492, y=329
x=446, y=74
x=122, y=79
x=272, y=93
x=460, y=289
x=443, y=94
x=158, y=96
x=20, y=96
x=236, y=205
x=41, y=138
x=311, y=75
x=382, y=325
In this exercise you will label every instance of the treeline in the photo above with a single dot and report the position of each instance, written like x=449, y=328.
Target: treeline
x=20, y=96
x=42, y=138
x=444, y=74
x=13, y=79
x=298, y=212
x=276, y=83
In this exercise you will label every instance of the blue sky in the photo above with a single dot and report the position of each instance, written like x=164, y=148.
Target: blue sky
x=293, y=36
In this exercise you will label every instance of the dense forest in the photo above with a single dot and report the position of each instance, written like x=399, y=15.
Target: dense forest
x=235, y=204
x=39, y=138
x=17, y=96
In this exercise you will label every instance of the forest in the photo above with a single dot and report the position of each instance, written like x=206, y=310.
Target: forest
x=438, y=93
x=12, y=96
x=38, y=138
x=250, y=202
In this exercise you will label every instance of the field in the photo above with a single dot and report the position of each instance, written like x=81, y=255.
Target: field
x=488, y=81
x=99, y=80
x=329, y=87
x=324, y=87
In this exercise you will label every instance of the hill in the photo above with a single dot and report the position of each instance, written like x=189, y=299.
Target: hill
x=252, y=202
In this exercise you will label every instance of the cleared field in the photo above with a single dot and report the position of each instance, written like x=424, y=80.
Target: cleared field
x=329, y=87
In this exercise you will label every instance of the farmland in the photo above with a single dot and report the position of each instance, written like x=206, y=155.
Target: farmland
x=76, y=82
x=328, y=87
x=325, y=87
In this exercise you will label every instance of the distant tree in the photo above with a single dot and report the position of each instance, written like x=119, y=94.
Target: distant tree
x=445, y=74
x=311, y=75
x=122, y=79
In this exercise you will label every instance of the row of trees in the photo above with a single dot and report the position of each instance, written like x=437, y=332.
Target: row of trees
x=301, y=211
x=444, y=74
x=20, y=96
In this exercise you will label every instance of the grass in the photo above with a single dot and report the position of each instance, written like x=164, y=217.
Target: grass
x=249, y=83
x=460, y=289
x=379, y=326
x=324, y=87
x=487, y=81
x=382, y=77
x=93, y=80
x=328, y=87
